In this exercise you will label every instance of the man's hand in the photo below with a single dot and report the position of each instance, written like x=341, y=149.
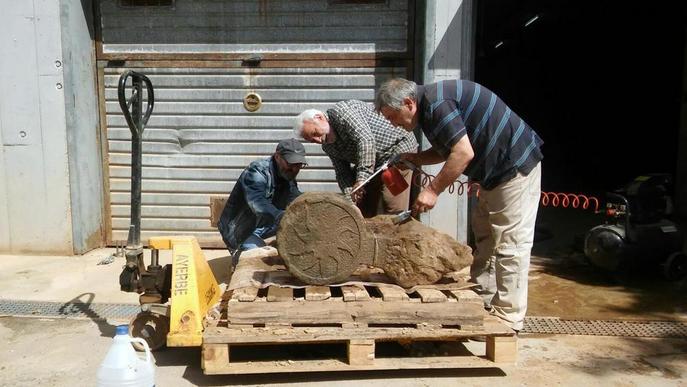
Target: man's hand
x=425, y=201
x=357, y=195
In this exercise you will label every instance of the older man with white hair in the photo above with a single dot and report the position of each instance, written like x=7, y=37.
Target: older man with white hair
x=359, y=140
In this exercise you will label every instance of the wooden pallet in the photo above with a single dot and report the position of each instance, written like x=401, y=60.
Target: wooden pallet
x=358, y=318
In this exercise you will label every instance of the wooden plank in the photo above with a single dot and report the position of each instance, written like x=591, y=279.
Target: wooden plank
x=276, y=293
x=354, y=325
x=317, y=293
x=400, y=312
x=361, y=352
x=467, y=295
x=214, y=355
x=329, y=365
x=217, y=204
x=432, y=295
x=260, y=252
x=502, y=349
x=245, y=294
x=354, y=293
x=243, y=334
x=393, y=293
x=277, y=325
x=429, y=326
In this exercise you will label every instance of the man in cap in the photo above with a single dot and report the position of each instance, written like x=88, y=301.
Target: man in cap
x=259, y=198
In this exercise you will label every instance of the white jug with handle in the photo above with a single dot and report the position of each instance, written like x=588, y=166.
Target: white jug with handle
x=123, y=367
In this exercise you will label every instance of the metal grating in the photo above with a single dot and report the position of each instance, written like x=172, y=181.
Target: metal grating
x=94, y=311
x=605, y=327
x=551, y=325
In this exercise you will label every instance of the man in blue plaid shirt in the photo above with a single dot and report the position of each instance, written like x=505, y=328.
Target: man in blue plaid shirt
x=358, y=140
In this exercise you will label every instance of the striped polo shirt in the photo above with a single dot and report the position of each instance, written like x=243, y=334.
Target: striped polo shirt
x=503, y=143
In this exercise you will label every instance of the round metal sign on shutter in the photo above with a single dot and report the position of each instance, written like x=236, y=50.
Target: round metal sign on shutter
x=252, y=102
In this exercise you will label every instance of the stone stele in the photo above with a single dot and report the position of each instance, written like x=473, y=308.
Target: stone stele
x=323, y=238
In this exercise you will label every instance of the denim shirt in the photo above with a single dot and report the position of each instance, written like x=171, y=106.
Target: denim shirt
x=258, y=199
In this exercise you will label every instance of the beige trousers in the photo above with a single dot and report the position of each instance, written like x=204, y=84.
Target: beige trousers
x=503, y=224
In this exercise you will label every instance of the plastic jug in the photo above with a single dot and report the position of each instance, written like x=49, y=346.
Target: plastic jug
x=122, y=366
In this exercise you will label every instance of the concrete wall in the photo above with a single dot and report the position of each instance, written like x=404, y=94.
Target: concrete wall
x=34, y=143
x=82, y=124
x=35, y=140
x=447, y=28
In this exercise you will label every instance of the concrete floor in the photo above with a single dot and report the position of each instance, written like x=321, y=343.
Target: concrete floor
x=67, y=352
x=59, y=352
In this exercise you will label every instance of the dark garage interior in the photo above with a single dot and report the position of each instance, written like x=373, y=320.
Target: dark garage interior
x=601, y=82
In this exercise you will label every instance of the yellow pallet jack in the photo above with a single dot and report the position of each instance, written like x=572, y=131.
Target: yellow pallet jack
x=176, y=299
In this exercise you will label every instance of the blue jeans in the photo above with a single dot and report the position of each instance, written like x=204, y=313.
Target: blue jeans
x=255, y=240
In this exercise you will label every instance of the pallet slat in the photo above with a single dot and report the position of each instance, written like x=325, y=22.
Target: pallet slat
x=275, y=293
x=501, y=347
x=317, y=293
x=245, y=294
x=466, y=295
x=354, y=293
x=329, y=365
x=393, y=293
x=399, y=312
x=361, y=352
x=242, y=334
x=432, y=295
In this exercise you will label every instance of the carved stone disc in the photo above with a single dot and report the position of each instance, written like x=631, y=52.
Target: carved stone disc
x=322, y=238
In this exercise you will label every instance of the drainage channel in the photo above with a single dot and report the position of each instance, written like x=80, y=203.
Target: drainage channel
x=550, y=325
x=555, y=325
x=94, y=311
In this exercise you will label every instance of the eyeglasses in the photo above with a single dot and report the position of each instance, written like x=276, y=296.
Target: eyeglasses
x=299, y=165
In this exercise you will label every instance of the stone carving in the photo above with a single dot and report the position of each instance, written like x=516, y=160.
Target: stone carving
x=323, y=239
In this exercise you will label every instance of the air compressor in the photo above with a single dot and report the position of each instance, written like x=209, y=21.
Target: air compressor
x=638, y=232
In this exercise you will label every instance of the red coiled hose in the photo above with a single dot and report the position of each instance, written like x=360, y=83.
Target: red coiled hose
x=566, y=200
x=555, y=199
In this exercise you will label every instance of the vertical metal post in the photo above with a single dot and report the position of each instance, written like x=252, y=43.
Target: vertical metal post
x=136, y=118
x=134, y=240
x=154, y=257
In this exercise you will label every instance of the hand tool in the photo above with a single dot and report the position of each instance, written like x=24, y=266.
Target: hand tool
x=402, y=217
x=392, y=160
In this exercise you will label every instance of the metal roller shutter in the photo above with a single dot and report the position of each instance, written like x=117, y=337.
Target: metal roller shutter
x=200, y=137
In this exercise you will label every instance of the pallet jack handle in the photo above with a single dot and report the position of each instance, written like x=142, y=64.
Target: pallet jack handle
x=152, y=281
x=137, y=120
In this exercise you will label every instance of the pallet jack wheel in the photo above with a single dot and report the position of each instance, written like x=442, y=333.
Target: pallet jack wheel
x=675, y=267
x=151, y=327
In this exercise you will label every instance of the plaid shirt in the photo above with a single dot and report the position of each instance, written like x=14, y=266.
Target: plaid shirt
x=364, y=141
